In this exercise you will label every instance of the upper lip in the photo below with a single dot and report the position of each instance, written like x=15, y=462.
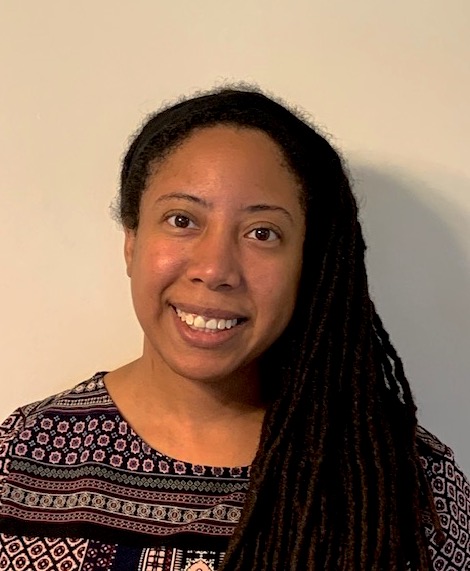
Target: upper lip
x=208, y=311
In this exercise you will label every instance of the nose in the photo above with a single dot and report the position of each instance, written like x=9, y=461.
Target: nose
x=215, y=262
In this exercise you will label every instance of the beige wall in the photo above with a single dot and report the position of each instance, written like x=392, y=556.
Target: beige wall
x=390, y=81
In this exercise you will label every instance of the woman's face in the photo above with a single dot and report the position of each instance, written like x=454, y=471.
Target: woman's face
x=216, y=259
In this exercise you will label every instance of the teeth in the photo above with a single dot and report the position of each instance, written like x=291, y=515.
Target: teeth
x=209, y=323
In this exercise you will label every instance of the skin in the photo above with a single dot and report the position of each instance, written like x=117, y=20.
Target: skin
x=220, y=235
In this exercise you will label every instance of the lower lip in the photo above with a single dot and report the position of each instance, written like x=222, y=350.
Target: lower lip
x=205, y=339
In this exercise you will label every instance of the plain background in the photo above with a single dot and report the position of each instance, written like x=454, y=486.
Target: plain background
x=389, y=81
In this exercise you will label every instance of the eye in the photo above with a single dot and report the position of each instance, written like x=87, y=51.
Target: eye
x=263, y=235
x=180, y=221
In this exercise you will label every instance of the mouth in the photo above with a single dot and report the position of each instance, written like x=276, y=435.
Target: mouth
x=208, y=323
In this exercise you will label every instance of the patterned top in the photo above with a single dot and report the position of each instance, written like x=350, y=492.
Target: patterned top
x=81, y=491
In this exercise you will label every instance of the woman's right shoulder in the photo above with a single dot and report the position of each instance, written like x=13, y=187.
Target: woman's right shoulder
x=27, y=415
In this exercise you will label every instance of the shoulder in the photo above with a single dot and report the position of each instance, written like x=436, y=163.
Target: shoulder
x=451, y=491
x=441, y=468
x=89, y=391
x=26, y=417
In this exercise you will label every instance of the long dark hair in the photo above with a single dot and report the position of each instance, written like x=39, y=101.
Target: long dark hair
x=337, y=482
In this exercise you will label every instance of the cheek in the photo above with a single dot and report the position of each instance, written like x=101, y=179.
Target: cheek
x=154, y=267
x=276, y=286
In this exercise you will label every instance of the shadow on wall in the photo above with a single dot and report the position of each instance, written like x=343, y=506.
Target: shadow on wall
x=419, y=272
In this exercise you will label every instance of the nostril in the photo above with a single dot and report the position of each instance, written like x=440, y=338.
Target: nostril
x=215, y=272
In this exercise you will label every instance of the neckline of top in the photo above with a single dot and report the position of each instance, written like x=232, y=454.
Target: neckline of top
x=233, y=471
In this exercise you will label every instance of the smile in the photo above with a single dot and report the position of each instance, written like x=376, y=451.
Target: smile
x=202, y=323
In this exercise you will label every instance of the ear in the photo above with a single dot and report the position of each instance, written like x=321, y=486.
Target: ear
x=129, y=244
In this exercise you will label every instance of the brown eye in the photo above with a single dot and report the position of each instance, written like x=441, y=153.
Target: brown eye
x=180, y=221
x=263, y=234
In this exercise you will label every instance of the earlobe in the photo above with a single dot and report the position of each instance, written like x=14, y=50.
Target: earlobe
x=129, y=241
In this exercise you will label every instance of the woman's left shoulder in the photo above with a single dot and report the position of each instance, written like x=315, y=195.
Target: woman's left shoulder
x=451, y=491
x=440, y=465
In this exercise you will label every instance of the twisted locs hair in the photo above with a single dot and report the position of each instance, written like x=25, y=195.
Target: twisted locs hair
x=337, y=482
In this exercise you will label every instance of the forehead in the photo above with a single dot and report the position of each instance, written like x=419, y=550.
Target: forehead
x=223, y=138
x=228, y=156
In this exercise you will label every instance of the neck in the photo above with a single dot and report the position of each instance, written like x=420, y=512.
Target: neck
x=194, y=400
x=216, y=422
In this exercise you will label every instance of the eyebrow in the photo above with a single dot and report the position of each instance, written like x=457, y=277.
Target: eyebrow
x=182, y=196
x=269, y=207
x=198, y=200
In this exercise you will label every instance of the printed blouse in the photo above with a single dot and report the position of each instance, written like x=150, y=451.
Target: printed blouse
x=81, y=491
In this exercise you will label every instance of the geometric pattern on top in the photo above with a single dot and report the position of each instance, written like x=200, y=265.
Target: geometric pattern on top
x=80, y=490
x=74, y=460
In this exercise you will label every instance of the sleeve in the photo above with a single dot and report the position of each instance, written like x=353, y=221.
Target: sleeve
x=451, y=491
x=21, y=419
x=12, y=426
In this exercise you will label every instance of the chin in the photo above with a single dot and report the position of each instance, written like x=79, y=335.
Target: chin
x=208, y=373
x=203, y=374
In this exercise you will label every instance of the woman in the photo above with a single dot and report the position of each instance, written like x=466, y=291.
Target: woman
x=267, y=381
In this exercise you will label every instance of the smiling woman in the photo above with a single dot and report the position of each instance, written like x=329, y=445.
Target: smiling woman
x=268, y=424
x=227, y=250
